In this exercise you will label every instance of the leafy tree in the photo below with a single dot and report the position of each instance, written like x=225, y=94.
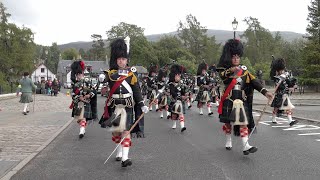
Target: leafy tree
x=53, y=58
x=123, y=30
x=83, y=54
x=193, y=36
x=69, y=54
x=141, y=51
x=170, y=48
x=17, y=50
x=312, y=49
x=259, y=43
x=98, y=47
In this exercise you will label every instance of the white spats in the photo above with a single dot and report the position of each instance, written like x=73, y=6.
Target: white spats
x=82, y=130
x=119, y=152
x=125, y=152
x=157, y=106
x=200, y=111
x=181, y=124
x=25, y=107
x=274, y=120
x=209, y=110
x=161, y=114
x=246, y=145
x=228, y=141
x=289, y=118
x=244, y=132
x=174, y=124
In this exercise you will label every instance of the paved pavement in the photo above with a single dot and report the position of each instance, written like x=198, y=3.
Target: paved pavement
x=23, y=136
x=198, y=153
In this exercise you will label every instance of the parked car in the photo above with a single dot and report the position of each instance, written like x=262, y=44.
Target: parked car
x=67, y=85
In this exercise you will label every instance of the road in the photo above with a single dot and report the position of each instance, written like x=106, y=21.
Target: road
x=198, y=153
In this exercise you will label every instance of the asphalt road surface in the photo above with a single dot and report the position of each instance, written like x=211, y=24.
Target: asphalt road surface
x=198, y=153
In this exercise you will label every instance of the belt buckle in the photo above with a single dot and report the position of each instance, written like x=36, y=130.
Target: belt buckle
x=120, y=96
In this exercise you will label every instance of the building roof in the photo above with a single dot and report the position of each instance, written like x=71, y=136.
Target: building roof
x=97, y=66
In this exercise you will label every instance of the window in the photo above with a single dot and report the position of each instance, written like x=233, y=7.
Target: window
x=42, y=70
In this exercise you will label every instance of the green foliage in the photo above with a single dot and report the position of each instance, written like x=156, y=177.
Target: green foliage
x=17, y=49
x=70, y=54
x=311, y=51
x=196, y=41
x=98, y=49
x=246, y=62
x=123, y=30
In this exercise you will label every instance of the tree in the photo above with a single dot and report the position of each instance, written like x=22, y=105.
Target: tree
x=53, y=58
x=83, y=54
x=170, y=48
x=311, y=51
x=17, y=50
x=196, y=41
x=98, y=47
x=141, y=51
x=69, y=54
x=259, y=43
x=123, y=30
x=193, y=36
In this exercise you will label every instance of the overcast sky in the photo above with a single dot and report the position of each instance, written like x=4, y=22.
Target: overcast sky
x=64, y=21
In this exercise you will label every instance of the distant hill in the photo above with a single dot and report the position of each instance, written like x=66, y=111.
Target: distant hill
x=221, y=36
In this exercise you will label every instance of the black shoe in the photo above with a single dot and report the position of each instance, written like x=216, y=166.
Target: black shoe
x=228, y=148
x=293, y=122
x=251, y=150
x=189, y=107
x=118, y=158
x=28, y=111
x=24, y=113
x=168, y=117
x=161, y=117
x=126, y=163
x=183, y=129
x=81, y=136
x=157, y=110
x=274, y=122
x=210, y=114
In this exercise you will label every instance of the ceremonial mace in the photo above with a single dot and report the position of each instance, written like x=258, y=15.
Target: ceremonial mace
x=135, y=124
x=262, y=112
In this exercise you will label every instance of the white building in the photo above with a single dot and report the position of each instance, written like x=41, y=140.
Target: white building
x=42, y=73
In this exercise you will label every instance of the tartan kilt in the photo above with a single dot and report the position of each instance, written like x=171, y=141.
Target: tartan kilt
x=26, y=98
x=226, y=111
x=87, y=111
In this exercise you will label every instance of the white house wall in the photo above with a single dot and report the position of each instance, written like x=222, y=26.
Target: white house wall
x=37, y=74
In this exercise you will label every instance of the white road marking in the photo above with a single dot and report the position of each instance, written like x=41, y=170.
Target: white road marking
x=302, y=127
x=309, y=134
x=264, y=123
x=280, y=126
x=317, y=139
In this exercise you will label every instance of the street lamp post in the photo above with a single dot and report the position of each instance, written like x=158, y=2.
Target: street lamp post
x=234, y=26
x=47, y=64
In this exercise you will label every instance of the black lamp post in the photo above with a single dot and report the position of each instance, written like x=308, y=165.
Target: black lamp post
x=234, y=27
x=47, y=64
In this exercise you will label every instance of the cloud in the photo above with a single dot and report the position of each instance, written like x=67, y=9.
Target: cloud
x=22, y=11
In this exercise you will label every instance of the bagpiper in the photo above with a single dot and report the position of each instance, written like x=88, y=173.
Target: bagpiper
x=124, y=102
x=82, y=95
x=203, y=83
x=235, y=108
x=177, y=95
x=152, y=86
x=214, y=86
x=162, y=98
x=284, y=82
